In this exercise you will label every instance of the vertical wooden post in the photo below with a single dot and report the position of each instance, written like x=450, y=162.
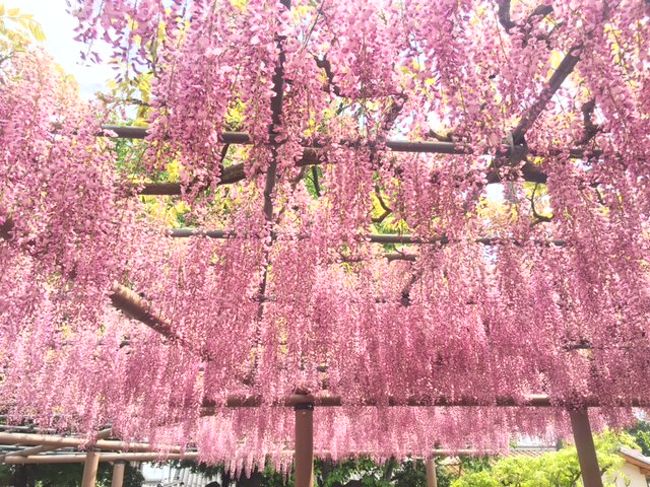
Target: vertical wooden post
x=432, y=480
x=118, y=474
x=90, y=469
x=585, y=445
x=304, y=453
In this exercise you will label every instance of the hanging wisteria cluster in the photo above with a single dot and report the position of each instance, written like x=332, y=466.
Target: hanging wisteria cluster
x=310, y=289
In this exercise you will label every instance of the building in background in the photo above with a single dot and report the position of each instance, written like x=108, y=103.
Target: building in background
x=635, y=472
x=171, y=476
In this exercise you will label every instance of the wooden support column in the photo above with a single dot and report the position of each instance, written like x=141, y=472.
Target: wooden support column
x=432, y=480
x=90, y=469
x=591, y=476
x=304, y=437
x=118, y=474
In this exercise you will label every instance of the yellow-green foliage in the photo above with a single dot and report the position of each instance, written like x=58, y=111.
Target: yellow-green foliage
x=17, y=29
x=555, y=469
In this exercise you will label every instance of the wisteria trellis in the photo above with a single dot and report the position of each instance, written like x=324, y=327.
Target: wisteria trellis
x=297, y=299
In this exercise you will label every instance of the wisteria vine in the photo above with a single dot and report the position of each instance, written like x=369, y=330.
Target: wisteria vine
x=544, y=292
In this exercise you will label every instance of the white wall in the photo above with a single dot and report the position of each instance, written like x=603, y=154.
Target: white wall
x=630, y=476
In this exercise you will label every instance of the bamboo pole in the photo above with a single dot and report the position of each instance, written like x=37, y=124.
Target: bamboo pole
x=304, y=447
x=91, y=464
x=117, y=480
x=432, y=480
x=591, y=476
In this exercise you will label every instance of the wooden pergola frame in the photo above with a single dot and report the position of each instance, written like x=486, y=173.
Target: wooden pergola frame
x=119, y=452
x=45, y=449
x=135, y=306
x=312, y=155
x=132, y=304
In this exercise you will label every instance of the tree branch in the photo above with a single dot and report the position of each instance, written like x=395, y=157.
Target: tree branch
x=504, y=15
x=396, y=107
x=406, y=291
x=325, y=65
x=590, y=128
x=565, y=68
x=384, y=206
x=448, y=137
x=269, y=185
x=537, y=15
x=539, y=218
x=6, y=229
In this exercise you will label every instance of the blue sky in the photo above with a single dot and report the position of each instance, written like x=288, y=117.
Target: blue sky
x=58, y=26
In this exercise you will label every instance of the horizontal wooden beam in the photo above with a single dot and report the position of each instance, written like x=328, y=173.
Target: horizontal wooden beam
x=125, y=132
x=311, y=155
x=229, y=175
x=421, y=147
x=34, y=450
x=135, y=306
x=69, y=441
x=130, y=132
x=101, y=435
x=103, y=457
x=530, y=172
x=374, y=238
x=193, y=456
x=532, y=400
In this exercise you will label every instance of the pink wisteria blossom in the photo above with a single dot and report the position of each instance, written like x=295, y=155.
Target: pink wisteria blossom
x=496, y=301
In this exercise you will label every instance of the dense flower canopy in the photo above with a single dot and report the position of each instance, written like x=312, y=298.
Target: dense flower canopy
x=544, y=291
